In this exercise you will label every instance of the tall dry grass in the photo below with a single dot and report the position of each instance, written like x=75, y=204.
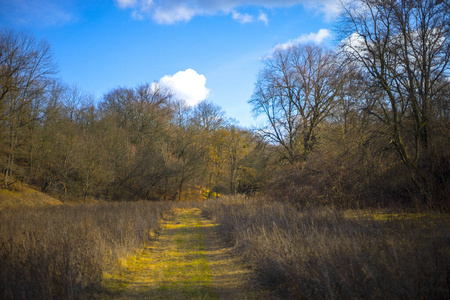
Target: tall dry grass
x=321, y=254
x=61, y=252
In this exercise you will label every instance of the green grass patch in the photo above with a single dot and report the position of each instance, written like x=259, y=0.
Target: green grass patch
x=174, y=267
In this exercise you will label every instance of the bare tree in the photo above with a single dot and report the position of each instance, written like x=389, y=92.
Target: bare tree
x=208, y=116
x=403, y=49
x=295, y=92
x=26, y=66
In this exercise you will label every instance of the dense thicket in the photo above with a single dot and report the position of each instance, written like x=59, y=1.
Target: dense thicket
x=364, y=124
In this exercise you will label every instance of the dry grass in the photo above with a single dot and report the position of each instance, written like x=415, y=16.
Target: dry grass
x=60, y=252
x=20, y=195
x=324, y=254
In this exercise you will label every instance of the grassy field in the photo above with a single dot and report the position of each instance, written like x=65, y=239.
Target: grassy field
x=325, y=253
x=60, y=252
x=166, y=250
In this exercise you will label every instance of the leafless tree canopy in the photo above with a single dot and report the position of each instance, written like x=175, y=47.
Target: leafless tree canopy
x=364, y=124
x=26, y=67
x=295, y=91
x=403, y=50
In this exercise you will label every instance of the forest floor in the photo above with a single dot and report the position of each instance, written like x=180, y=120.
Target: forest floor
x=187, y=261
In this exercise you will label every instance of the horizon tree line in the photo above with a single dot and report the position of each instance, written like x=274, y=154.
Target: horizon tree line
x=366, y=123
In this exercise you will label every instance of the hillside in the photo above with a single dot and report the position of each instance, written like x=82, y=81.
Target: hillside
x=24, y=195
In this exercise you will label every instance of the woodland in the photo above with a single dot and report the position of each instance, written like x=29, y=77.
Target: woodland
x=341, y=192
x=366, y=123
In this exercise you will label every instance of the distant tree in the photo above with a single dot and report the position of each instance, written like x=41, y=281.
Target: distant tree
x=140, y=119
x=52, y=154
x=295, y=92
x=208, y=116
x=239, y=144
x=210, y=121
x=26, y=67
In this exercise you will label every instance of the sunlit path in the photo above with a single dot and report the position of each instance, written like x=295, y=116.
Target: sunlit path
x=187, y=262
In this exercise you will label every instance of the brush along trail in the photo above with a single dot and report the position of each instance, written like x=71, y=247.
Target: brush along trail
x=188, y=261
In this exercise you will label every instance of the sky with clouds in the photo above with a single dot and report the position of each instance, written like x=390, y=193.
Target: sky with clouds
x=201, y=49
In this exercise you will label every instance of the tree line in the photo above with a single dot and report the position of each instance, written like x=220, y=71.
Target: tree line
x=368, y=121
x=134, y=143
x=365, y=123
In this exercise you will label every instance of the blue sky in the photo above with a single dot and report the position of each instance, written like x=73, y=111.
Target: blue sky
x=202, y=49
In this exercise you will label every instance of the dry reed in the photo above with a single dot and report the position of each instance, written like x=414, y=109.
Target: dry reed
x=322, y=254
x=61, y=252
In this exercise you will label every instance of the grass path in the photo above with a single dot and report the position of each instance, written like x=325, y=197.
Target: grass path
x=188, y=261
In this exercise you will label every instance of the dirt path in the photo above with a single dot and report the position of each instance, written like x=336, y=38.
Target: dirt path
x=188, y=261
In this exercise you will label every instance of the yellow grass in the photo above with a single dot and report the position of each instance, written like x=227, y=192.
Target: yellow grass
x=23, y=195
x=187, y=262
x=383, y=215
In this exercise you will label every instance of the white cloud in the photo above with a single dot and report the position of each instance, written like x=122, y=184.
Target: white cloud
x=126, y=3
x=312, y=37
x=354, y=44
x=187, y=85
x=263, y=18
x=177, y=14
x=329, y=8
x=173, y=11
x=246, y=18
x=242, y=18
x=140, y=8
